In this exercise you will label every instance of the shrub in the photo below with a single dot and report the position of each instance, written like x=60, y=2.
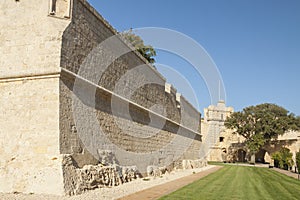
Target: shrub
x=283, y=158
x=298, y=161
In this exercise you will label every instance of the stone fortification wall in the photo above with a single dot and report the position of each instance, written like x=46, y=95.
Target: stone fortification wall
x=85, y=32
x=30, y=43
x=42, y=148
x=191, y=116
x=144, y=122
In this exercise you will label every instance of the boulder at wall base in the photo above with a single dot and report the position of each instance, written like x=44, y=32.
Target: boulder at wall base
x=90, y=177
x=156, y=171
x=191, y=164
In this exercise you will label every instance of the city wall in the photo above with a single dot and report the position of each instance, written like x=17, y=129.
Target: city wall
x=42, y=147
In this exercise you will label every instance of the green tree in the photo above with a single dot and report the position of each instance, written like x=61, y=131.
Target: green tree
x=298, y=161
x=147, y=51
x=283, y=158
x=298, y=121
x=262, y=123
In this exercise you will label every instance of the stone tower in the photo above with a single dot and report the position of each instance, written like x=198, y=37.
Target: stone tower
x=213, y=126
x=30, y=46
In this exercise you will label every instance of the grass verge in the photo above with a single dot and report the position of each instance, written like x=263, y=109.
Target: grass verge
x=239, y=182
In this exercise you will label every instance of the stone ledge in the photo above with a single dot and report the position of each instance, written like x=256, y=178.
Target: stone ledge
x=29, y=77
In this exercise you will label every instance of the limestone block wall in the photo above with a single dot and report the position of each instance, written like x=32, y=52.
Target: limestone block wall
x=30, y=43
x=191, y=116
x=42, y=49
x=29, y=137
x=132, y=132
x=85, y=32
x=30, y=40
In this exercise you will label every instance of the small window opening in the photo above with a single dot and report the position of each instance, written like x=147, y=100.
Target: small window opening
x=53, y=7
x=221, y=139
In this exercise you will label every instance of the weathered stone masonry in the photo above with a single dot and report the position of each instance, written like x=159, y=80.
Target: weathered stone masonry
x=40, y=147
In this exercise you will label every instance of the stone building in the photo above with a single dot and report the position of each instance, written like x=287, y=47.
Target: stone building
x=290, y=140
x=63, y=131
x=228, y=147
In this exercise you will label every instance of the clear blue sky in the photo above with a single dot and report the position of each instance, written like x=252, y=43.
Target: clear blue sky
x=255, y=44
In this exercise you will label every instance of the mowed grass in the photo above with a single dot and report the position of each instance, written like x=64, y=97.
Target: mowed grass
x=238, y=182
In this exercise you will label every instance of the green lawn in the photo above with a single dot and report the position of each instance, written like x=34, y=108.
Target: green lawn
x=238, y=182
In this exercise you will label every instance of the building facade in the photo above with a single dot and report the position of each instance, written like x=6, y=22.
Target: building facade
x=229, y=147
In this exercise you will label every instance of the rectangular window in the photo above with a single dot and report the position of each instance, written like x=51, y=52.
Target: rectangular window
x=53, y=7
x=221, y=139
x=60, y=8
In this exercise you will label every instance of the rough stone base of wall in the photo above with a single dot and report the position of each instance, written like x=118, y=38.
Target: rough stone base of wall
x=89, y=177
x=191, y=164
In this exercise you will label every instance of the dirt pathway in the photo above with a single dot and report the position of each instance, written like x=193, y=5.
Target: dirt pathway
x=167, y=188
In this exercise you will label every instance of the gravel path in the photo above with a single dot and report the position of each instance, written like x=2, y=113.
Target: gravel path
x=288, y=173
x=114, y=192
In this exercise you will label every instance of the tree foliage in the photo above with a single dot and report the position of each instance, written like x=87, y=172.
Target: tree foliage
x=262, y=123
x=147, y=51
x=283, y=158
x=298, y=161
x=298, y=121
